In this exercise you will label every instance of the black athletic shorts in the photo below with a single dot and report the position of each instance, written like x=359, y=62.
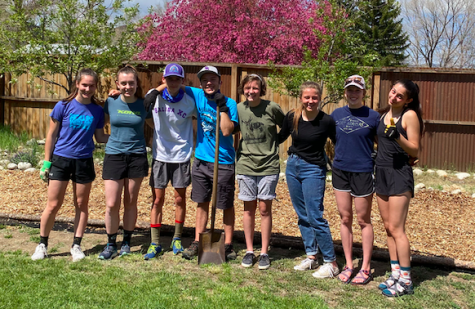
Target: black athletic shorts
x=202, y=183
x=357, y=184
x=78, y=170
x=391, y=181
x=120, y=166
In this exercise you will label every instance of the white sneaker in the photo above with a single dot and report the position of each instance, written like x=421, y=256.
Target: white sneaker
x=40, y=252
x=327, y=270
x=77, y=253
x=307, y=264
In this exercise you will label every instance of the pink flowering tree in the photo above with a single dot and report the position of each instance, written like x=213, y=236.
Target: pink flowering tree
x=239, y=31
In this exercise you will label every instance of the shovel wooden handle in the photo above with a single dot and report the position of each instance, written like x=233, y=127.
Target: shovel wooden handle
x=214, y=197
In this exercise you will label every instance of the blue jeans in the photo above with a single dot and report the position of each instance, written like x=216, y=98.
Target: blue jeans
x=306, y=183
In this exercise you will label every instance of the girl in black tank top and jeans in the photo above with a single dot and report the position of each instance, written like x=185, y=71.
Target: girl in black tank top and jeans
x=399, y=135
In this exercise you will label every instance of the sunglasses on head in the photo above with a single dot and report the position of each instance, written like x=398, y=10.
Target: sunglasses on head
x=356, y=80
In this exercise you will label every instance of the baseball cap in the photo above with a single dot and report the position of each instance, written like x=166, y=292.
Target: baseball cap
x=355, y=80
x=174, y=69
x=208, y=69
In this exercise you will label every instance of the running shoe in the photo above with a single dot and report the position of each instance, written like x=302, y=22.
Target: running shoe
x=153, y=251
x=109, y=252
x=229, y=252
x=176, y=246
x=264, y=261
x=77, y=253
x=40, y=252
x=124, y=250
x=192, y=251
x=307, y=264
x=248, y=260
x=327, y=270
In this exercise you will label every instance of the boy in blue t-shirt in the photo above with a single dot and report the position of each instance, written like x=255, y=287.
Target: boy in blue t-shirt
x=207, y=99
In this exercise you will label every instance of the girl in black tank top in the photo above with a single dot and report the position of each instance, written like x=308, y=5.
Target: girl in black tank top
x=399, y=134
x=390, y=153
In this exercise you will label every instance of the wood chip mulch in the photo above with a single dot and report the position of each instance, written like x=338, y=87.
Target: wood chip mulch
x=438, y=223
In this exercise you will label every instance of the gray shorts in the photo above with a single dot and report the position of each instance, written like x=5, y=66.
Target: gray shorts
x=176, y=173
x=202, y=179
x=252, y=188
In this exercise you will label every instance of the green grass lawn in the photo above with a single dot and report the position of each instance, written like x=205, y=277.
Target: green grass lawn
x=171, y=282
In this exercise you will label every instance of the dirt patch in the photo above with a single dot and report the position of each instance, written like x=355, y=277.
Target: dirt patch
x=438, y=223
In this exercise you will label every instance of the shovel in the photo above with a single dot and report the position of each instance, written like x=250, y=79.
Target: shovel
x=211, y=246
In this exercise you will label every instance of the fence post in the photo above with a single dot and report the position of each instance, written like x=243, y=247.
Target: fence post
x=234, y=81
x=2, y=100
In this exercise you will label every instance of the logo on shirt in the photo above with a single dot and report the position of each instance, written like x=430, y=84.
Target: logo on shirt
x=208, y=123
x=124, y=112
x=167, y=109
x=82, y=122
x=255, y=132
x=351, y=124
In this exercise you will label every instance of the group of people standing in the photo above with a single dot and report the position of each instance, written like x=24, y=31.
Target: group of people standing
x=169, y=110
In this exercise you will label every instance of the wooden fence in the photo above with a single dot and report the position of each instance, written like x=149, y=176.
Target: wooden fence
x=449, y=140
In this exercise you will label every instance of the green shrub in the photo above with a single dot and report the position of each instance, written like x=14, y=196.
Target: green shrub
x=25, y=156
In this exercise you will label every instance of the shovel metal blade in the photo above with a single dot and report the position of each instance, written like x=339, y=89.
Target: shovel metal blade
x=211, y=248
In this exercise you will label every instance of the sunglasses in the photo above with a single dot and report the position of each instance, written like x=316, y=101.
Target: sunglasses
x=356, y=80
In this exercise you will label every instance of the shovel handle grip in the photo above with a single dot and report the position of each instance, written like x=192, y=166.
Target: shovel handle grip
x=214, y=196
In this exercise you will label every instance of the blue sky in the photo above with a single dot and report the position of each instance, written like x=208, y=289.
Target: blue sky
x=145, y=4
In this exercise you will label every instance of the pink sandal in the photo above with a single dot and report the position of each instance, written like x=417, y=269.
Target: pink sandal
x=362, y=274
x=345, y=275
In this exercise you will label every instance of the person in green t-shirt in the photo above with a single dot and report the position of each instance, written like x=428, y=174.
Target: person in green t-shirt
x=258, y=165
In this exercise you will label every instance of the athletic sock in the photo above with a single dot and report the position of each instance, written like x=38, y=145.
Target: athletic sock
x=264, y=254
x=178, y=228
x=127, y=237
x=44, y=240
x=395, y=269
x=252, y=252
x=155, y=233
x=406, y=275
x=112, y=239
x=77, y=241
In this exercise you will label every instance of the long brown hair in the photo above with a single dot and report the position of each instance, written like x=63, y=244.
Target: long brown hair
x=129, y=69
x=81, y=74
x=298, y=111
x=415, y=105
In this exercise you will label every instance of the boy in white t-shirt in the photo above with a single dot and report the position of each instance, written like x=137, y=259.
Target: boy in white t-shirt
x=172, y=111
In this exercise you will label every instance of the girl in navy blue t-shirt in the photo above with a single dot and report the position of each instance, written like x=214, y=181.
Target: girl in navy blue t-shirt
x=74, y=122
x=352, y=175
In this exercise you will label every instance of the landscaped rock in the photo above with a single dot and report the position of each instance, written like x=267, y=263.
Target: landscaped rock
x=41, y=142
x=473, y=195
x=419, y=186
x=329, y=178
x=429, y=171
x=418, y=172
x=148, y=149
x=455, y=192
x=1, y=168
x=24, y=165
x=462, y=176
x=12, y=166
x=282, y=176
x=30, y=170
x=4, y=162
x=31, y=142
x=430, y=189
x=442, y=174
